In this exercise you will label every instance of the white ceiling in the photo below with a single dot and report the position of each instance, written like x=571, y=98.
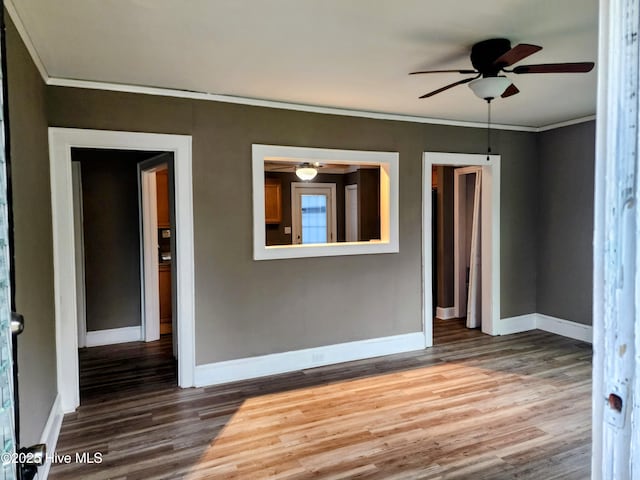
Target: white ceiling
x=351, y=54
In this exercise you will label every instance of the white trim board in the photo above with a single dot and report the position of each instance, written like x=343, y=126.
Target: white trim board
x=531, y=321
x=566, y=123
x=446, y=313
x=112, y=336
x=565, y=328
x=518, y=324
x=50, y=434
x=275, y=363
x=61, y=140
x=263, y=365
x=78, y=229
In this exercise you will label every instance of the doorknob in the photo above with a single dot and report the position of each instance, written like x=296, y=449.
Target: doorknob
x=17, y=323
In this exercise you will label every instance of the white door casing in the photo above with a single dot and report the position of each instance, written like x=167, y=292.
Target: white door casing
x=78, y=228
x=474, y=300
x=490, y=240
x=460, y=240
x=149, y=253
x=61, y=140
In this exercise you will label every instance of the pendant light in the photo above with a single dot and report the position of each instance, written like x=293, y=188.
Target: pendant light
x=306, y=172
x=489, y=88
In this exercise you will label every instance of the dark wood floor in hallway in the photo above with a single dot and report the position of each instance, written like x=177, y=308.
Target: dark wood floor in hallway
x=472, y=407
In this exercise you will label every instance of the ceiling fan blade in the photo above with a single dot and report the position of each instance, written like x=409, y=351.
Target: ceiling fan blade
x=576, y=67
x=517, y=53
x=511, y=90
x=464, y=72
x=447, y=87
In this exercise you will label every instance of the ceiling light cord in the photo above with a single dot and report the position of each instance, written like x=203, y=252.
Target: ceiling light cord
x=488, y=128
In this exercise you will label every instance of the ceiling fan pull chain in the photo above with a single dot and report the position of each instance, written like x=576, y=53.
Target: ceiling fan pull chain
x=488, y=128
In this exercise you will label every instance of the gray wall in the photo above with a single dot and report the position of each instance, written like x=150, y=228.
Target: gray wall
x=246, y=308
x=519, y=206
x=111, y=236
x=565, y=222
x=444, y=242
x=33, y=237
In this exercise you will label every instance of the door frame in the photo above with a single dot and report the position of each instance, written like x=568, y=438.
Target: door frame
x=149, y=264
x=61, y=140
x=296, y=225
x=148, y=246
x=490, y=236
x=350, y=192
x=459, y=236
x=78, y=228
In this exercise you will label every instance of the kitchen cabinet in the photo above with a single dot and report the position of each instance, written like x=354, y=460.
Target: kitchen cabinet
x=272, y=201
x=162, y=198
x=164, y=275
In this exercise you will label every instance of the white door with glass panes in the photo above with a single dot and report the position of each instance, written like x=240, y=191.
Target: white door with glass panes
x=313, y=213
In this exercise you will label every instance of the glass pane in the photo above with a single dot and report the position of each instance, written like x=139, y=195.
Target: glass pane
x=314, y=218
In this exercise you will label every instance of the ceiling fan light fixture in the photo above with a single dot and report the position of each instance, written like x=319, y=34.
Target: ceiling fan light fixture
x=489, y=88
x=306, y=172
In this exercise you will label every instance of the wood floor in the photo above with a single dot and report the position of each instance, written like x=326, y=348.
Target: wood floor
x=473, y=407
x=126, y=369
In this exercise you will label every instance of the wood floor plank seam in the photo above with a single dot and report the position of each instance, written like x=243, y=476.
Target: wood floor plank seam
x=472, y=407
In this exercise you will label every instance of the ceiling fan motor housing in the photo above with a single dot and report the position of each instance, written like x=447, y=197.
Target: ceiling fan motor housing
x=484, y=54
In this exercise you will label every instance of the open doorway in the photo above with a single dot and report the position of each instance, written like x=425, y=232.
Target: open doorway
x=457, y=283
x=123, y=270
x=466, y=288
x=61, y=143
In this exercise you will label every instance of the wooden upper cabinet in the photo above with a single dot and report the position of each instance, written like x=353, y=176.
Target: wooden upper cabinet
x=272, y=200
x=162, y=198
x=164, y=279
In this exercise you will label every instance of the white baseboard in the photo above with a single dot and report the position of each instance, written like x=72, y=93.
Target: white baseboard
x=253, y=367
x=531, y=321
x=113, y=336
x=446, y=313
x=521, y=323
x=565, y=328
x=50, y=435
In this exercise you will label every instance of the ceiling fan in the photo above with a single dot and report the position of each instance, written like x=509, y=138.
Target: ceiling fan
x=491, y=57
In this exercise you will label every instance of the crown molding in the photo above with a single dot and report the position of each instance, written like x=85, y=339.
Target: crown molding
x=566, y=123
x=118, y=87
x=167, y=92
x=26, y=39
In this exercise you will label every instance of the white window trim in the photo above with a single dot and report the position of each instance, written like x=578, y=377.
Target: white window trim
x=388, y=163
x=332, y=224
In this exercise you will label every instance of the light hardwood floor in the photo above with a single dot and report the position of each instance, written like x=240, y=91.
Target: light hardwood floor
x=473, y=407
